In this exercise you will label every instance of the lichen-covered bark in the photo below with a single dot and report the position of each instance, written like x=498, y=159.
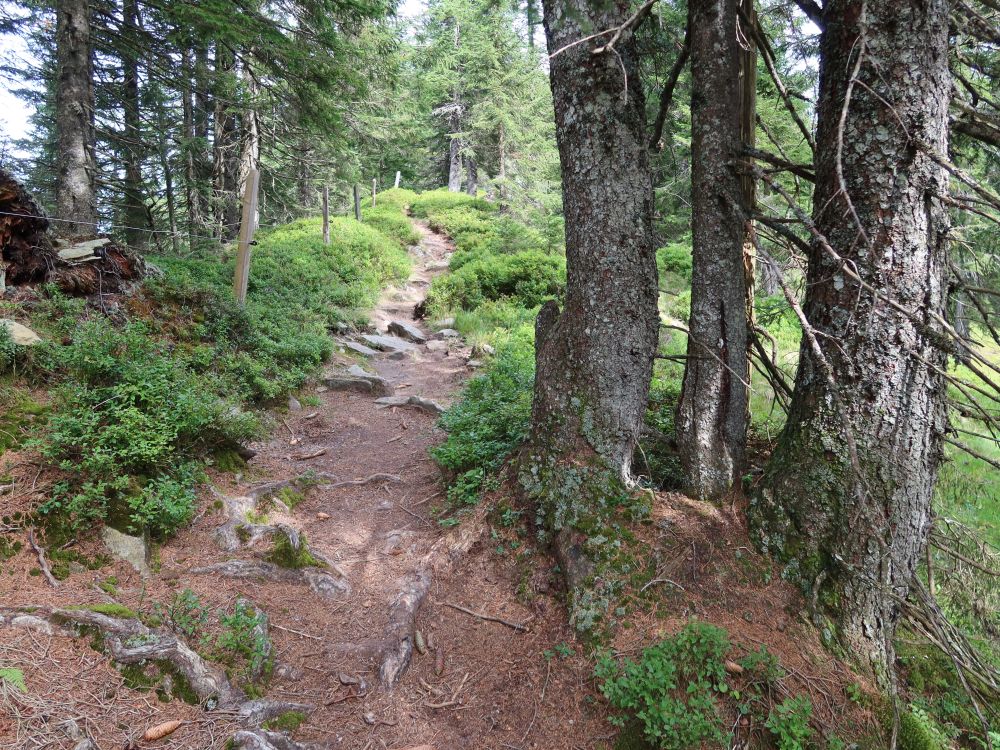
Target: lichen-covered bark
x=855, y=546
x=712, y=413
x=76, y=201
x=594, y=358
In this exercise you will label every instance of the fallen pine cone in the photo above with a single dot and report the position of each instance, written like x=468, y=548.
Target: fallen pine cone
x=161, y=730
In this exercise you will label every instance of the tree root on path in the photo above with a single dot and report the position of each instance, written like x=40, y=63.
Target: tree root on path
x=261, y=739
x=401, y=629
x=321, y=583
x=128, y=641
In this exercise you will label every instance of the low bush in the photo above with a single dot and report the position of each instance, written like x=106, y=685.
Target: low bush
x=437, y=200
x=491, y=419
x=672, y=690
x=128, y=424
x=526, y=278
x=676, y=258
x=392, y=222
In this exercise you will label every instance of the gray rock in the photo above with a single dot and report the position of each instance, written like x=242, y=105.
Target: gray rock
x=356, y=379
x=19, y=334
x=30, y=622
x=131, y=549
x=475, y=364
x=417, y=402
x=448, y=333
x=388, y=343
x=407, y=331
x=483, y=350
x=437, y=346
x=361, y=349
x=293, y=404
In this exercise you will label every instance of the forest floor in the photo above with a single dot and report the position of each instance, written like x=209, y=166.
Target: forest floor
x=518, y=681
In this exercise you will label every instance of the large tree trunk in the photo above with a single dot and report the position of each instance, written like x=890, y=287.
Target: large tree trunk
x=226, y=150
x=471, y=176
x=455, y=164
x=712, y=413
x=854, y=541
x=594, y=359
x=76, y=199
x=134, y=147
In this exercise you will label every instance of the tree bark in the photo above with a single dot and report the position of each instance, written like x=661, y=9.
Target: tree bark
x=852, y=527
x=226, y=149
x=471, y=176
x=594, y=359
x=76, y=192
x=455, y=164
x=192, y=153
x=712, y=413
x=134, y=146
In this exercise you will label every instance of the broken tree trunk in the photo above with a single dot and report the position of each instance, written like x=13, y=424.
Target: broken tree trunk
x=31, y=256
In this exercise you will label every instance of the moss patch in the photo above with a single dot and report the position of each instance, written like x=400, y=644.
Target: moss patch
x=285, y=555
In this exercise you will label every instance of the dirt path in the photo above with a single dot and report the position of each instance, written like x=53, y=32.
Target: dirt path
x=472, y=682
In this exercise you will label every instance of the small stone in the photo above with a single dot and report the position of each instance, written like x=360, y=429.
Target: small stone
x=484, y=349
x=321, y=516
x=288, y=672
x=475, y=364
x=293, y=404
x=131, y=549
x=370, y=718
x=437, y=346
x=361, y=349
x=449, y=333
x=321, y=389
x=19, y=334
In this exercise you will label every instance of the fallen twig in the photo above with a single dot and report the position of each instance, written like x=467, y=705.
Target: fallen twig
x=296, y=632
x=454, y=696
x=481, y=616
x=43, y=563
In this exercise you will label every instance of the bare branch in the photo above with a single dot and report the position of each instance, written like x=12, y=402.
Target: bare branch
x=668, y=93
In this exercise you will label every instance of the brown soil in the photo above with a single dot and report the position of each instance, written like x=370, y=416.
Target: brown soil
x=481, y=683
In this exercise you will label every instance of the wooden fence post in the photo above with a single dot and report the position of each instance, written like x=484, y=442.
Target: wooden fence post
x=248, y=223
x=398, y=175
x=374, y=186
x=326, y=215
x=357, y=203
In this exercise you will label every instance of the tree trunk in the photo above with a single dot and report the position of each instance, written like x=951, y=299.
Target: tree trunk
x=226, y=149
x=455, y=164
x=712, y=413
x=76, y=198
x=851, y=525
x=594, y=359
x=471, y=176
x=134, y=147
x=192, y=154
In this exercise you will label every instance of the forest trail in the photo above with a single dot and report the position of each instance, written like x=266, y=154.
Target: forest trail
x=365, y=509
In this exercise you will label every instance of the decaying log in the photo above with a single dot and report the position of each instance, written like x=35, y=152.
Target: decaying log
x=30, y=254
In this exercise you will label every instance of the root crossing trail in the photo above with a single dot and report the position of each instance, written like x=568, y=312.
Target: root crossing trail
x=396, y=633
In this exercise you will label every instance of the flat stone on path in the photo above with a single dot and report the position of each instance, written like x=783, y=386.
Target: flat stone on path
x=356, y=379
x=437, y=346
x=388, y=343
x=448, y=333
x=407, y=331
x=424, y=404
x=357, y=348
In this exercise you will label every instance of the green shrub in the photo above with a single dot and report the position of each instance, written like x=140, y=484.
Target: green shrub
x=491, y=419
x=436, y=200
x=527, y=278
x=8, y=351
x=676, y=258
x=788, y=723
x=392, y=222
x=672, y=690
x=243, y=641
x=127, y=423
x=398, y=198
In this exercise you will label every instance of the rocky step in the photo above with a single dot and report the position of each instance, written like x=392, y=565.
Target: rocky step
x=407, y=331
x=356, y=379
x=388, y=343
x=354, y=346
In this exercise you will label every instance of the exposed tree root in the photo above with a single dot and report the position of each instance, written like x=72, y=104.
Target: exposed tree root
x=128, y=641
x=321, y=583
x=261, y=739
x=402, y=626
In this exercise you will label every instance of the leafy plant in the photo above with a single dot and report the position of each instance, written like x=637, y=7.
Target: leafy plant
x=244, y=637
x=672, y=689
x=788, y=722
